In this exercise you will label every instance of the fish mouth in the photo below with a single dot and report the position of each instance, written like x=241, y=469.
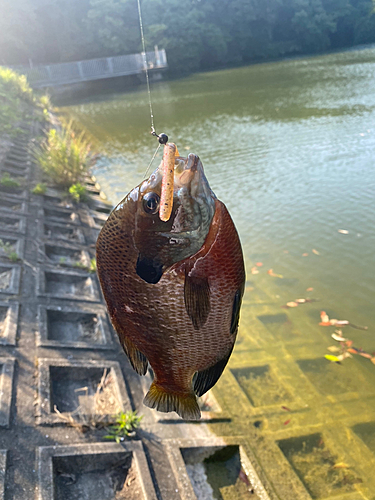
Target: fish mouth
x=193, y=201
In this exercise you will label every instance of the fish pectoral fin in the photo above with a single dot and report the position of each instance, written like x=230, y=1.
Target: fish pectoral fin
x=185, y=404
x=203, y=381
x=137, y=359
x=236, y=309
x=197, y=299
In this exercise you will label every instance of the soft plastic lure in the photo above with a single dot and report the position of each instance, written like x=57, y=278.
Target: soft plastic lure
x=166, y=197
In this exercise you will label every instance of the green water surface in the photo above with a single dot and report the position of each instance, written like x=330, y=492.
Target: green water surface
x=289, y=148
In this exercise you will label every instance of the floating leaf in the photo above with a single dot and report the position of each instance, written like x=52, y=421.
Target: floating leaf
x=324, y=318
x=259, y=264
x=343, y=231
x=305, y=254
x=254, y=270
x=274, y=275
x=343, y=356
x=287, y=422
x=301, y=301
x=340, y=322
x=315, y=251
x=340, y=465
x=373, y=360
x=333, y=348
x=353, y=350
x=333, y=359
x=291, y=304
x=310, y=289
x=338, y=338
x=365, y=355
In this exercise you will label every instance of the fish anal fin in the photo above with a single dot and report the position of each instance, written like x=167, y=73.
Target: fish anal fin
x=203, y=381
x=184, y=404
x=197, y=299
x=137, y=359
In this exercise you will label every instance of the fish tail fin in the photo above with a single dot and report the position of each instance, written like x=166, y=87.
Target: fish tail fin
x=185, y=404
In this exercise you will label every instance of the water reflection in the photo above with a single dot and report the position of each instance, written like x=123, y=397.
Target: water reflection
x=288, y=147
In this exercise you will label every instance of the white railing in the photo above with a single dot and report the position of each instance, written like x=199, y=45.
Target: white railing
x=93, y=69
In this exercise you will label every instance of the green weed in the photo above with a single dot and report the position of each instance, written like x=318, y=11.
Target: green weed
x=125, y=424
x=78, y=192
x=8, y=182
x=40, y=188
x=92, y=265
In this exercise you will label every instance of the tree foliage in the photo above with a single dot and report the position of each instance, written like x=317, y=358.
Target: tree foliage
x=197, y=34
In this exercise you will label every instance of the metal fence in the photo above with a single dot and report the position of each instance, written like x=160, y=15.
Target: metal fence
x=93, y=69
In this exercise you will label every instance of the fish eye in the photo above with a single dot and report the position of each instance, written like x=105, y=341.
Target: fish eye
x=151, y=203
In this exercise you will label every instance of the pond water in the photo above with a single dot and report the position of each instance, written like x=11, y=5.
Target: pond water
x=289, y=148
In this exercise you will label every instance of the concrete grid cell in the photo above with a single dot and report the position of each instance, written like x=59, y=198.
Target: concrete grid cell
x=12, y=206
x=13, y=223
x=8, y=322
x=16, y=194
x=16, y=165
x=6, y=390
x=100, y=471
x=64, y=255
x=10, y=276
x=67, y=284
x=66, y=326
x=11, y=244
x=82, y=388
x=60, y=215
x=3, y=466
x=53, y=231
x=315, y=463
x=17, y=174
x=203, y=466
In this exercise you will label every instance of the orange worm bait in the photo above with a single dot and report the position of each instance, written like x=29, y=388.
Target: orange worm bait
x=166, y=197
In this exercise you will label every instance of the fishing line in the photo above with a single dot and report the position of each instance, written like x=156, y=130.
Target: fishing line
x=163, y=138
x=146, y=65
x=152, y=159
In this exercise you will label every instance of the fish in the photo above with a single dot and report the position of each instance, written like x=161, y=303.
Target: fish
x=173, y=288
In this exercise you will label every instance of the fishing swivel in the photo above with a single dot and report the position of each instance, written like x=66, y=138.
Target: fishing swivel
x=163, y=138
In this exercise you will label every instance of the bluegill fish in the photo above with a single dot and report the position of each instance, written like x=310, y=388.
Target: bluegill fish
x=173, y=288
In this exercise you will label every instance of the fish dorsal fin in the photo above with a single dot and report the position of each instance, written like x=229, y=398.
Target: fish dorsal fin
x=137, y=359
x=236, y=310
x=203, y=381
x=197, y=299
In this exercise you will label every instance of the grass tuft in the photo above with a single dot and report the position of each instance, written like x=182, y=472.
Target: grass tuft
x=8, y=182
x=7, y=248
x=65, y=156
x=78, y=192
x=40, y=188
x=124, y=426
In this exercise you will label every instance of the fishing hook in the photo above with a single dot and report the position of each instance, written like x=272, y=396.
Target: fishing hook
x=163, y=138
